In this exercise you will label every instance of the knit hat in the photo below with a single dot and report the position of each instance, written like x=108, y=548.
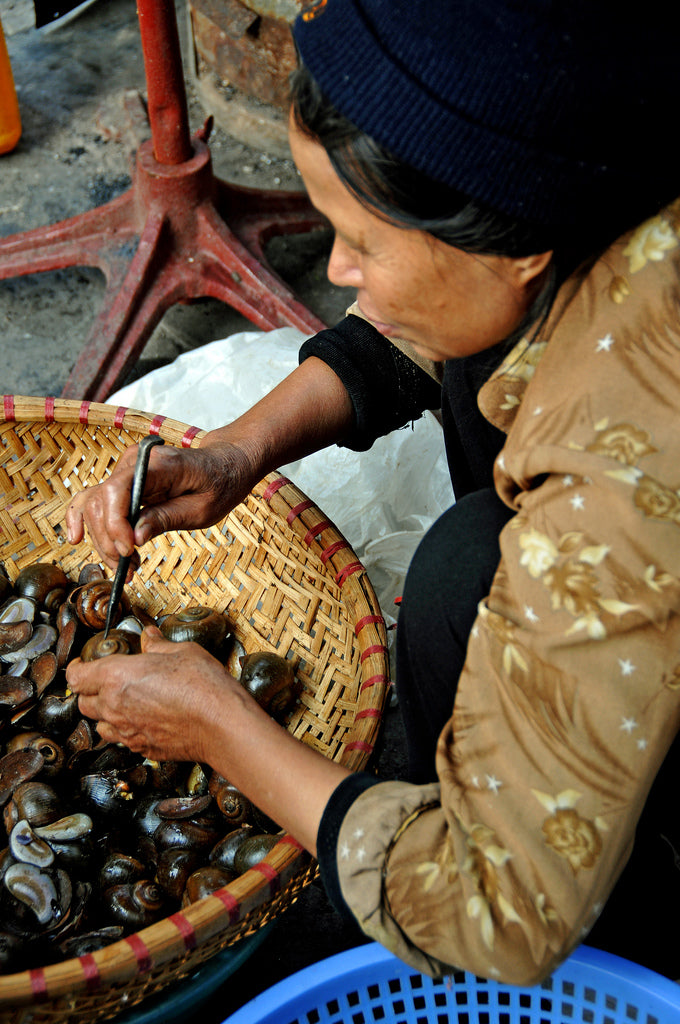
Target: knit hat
x=546, y=110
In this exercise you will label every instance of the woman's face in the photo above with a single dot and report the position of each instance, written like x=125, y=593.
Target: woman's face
x=444, y=301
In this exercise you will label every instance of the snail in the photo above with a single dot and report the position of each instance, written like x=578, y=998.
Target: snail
x=134, y=905
x=203, y=626
x=44, y=583
x=118, y=641
x=204, y=882
x=92, y=603
x=271, y=680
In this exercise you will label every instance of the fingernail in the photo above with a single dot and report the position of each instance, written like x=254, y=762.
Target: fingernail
x=122, y=549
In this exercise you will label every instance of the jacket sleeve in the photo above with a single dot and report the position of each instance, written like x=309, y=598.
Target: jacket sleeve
x=568, y=701
x=386, y=387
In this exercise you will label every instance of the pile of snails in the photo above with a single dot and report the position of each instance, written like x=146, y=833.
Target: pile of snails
x=101, y=842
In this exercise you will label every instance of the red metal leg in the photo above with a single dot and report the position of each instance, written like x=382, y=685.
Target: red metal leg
x=177, y=234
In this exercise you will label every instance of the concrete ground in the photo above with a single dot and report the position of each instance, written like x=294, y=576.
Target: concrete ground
x=74, y=154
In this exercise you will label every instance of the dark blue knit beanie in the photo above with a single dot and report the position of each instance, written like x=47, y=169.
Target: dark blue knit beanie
x=547, y=110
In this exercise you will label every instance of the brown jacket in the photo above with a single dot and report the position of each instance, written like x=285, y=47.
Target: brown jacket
x=569, y=698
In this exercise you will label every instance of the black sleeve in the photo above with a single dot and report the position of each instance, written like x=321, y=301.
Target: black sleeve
x=327, y=838
x=386, y=388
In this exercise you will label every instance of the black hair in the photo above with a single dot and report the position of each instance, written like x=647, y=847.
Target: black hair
x=406, y=197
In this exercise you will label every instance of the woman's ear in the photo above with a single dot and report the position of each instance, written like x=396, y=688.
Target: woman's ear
x=528, y=270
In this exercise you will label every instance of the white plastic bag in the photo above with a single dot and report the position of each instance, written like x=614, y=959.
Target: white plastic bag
x=382, y=500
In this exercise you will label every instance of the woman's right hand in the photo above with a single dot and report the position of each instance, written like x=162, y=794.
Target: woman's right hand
x=185, y=489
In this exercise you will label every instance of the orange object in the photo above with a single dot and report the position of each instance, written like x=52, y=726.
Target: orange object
x=10, y=120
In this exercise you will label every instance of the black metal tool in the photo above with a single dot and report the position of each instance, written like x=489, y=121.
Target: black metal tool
x=138, y=481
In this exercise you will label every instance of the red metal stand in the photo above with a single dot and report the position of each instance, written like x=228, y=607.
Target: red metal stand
x=177, y=234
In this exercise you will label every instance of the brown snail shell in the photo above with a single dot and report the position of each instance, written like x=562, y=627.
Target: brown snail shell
x=57, y=715
x=15, y=693
x=52, y=752
x=14, y=636
x=185, y=835
x=134, y=905
x=92, y=603
x=16, y=609
x=235, y=807
x=17, y=767
x=35, y=801
x=196, y=623
x=90, y=572
x=117, y=642
x=173, y=870
x=204, y=882
x=43, y=671
x=252, y=850
x=271, y=680
x=121, y=869
x=180, y=807
x=45, y=583
x=41, y=639
x=90, y=942
x=224, y=852
x=106, y=793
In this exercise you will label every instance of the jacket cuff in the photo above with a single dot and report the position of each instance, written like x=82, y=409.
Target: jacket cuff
x=329, y=828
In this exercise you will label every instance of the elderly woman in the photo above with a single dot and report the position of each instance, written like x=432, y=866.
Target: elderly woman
x=489, y=170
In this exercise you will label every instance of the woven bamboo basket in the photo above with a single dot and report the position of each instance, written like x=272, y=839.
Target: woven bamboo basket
x=288, y=581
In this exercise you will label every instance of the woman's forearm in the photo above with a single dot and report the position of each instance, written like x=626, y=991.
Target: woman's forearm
x=307, y=411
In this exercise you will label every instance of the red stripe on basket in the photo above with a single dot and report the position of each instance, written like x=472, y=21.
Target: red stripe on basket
x=374, y=649
x=365, y=621
x=372, y=681
x=120, y=416
x=84, y=411
x=315, y=530
x=189, y=435
x=185, y=929
x=349, y=570
x=38, y=983
x=270, y=874
x=142, y=955
x=332, y=549
x=297, y=509
x=359, y=745
x=274, y=486
x=49, y=409
x=8, y=402
x=230, y=902
x=287, y=840
x=368, y=713
x=90, y=972
x=156, y=424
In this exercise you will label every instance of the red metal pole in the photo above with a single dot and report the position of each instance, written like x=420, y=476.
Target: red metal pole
x=168, y=112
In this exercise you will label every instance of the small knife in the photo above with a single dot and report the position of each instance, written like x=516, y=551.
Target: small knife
x=138, y=481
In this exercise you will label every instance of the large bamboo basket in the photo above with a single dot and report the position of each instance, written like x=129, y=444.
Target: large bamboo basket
x=288, y=581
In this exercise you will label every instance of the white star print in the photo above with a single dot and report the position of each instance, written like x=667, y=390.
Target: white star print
x=361, y=854
x=627, y=666
x=628, y=724
x=577, y=502
x=493, y=783
x=358, y=833
x=530, y=614
x=567, y=480
x=344, y=851
x=604, y=344
x=538, y=410
x=641, y=744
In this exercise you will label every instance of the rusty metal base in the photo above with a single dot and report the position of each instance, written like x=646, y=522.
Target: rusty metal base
x=177, y=234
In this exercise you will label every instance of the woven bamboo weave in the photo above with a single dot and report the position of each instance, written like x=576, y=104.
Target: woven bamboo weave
x=287, y=580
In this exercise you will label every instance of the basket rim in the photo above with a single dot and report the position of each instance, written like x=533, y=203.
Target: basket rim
x=174, y=937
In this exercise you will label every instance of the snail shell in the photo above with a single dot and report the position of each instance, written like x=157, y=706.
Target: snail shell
x=118, y=641
x=199, y=624
x=224, y=852
x=17, y=767
x=235, y=807
x=134, y=905
x=121, y=869
x=29, y=848
x=252, y=850
x=92, y=603
x=35, y=801
x=204, y=882
x=271, y=680
x=173, y=870
x=45, y=583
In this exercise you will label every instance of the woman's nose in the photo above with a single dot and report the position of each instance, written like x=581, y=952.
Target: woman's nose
x=343, y=266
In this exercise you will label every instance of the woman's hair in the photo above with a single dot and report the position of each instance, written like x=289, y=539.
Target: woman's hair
x=409, y=198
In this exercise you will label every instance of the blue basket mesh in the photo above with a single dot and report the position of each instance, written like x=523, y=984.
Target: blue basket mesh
x=368, y=985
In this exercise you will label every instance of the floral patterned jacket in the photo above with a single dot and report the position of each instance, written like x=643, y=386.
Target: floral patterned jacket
x=570, y=696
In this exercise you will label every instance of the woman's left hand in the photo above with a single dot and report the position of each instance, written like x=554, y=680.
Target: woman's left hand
x=158, y=702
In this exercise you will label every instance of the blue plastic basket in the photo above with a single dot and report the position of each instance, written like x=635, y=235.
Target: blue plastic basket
x=368, y=985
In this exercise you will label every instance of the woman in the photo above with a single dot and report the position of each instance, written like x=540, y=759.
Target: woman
x=486, y=157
